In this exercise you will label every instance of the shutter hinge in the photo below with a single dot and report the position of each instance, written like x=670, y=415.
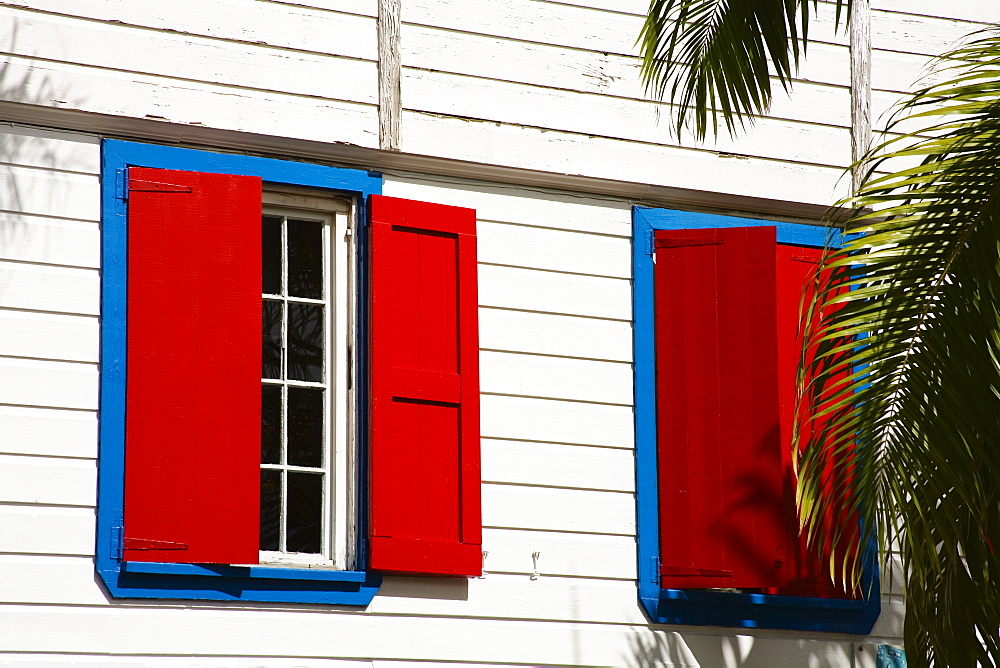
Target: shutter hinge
x=650, y=244
x=121, y=178
x=151, y=544
x=157, y=187
x=684, y=243
x=654, y=572
x=116, y=542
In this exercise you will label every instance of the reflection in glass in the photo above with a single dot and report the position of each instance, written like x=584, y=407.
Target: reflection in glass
x=270, y=424
x=305, y=342
x=305, y=512
x=305, y=259
x=271, y=352
x=271, y=255
x=270, y=509
x=305, y=426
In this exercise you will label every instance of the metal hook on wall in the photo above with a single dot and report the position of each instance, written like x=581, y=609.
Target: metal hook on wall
x=534, y=560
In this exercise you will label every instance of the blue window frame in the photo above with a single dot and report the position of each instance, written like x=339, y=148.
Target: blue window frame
x=193, y=581
x=706, y=607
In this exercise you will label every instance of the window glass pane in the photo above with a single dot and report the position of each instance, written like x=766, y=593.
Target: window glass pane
x=271, y=255
x=271, y=353
x=305, y=259
x=270, y=509
x=270, y=424
x=305, y=512
x=305, y=426
x=305, y=342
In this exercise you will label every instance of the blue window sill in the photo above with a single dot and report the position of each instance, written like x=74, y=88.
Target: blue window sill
x=238, y=583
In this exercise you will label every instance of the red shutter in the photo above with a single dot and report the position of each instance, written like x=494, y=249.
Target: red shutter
x=722, y=487
x=192, y=433
x=797, y=268
x=425, y=481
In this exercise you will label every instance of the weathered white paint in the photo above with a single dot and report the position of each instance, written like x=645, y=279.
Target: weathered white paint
x=861, y=89
x=390, y=107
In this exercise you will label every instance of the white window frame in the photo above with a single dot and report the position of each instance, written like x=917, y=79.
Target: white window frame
x=339, y=526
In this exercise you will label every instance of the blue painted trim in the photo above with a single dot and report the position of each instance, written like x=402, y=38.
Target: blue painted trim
x=192, y=581
x=693, y=606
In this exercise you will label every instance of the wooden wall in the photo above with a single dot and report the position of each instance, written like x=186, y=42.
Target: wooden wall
x=528, y=84
x=557, y=451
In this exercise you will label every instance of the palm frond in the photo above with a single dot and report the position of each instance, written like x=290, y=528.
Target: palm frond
x=715, y=58
x=903, y=362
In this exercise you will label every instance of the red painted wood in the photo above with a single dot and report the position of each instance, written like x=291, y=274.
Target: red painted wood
x=797, y=268
x=425, y=478
x=720, y=473
x=192, y=433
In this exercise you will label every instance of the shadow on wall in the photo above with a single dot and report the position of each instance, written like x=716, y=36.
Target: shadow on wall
x=29, y=189
x=660, y=648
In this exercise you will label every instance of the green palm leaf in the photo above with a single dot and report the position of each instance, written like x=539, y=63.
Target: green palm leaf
x=903, y=365
x=714, y=58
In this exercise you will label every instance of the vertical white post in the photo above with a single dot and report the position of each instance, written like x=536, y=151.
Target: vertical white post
x=390, y=106
x=861, y=88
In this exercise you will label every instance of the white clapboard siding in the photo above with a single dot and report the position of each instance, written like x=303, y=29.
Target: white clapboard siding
x=118, y=630
x=567, y=153
x=973, y=11
x=558, y=465
x=913, y=33
x=890, y=622
x=47, y=481
x=46, y=193
x=555, y=250
x=544, y=334
x=46, y=530
x=820, y=88
x=561, y=554
x=50, y=336
x=267, y=24
x=43, y=431
x=551, y=509
x=900, y=72
x=817, y=97
x=64, y=579
x=600, y=115
x=45, y=288
x=560, y=24
x=555, y=378
x=51, y=579
x=637, y=7
x=53, y=149
x=185, y=57
x=513, y=597
x=190, y=103
x=522, y=206
x=551, y=292
x=44, y=660
x=360, y=7
x=49, y=240
x=48, y=384
x=552, y=421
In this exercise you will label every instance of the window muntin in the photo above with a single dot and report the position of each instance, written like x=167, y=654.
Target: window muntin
x=305, y=446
